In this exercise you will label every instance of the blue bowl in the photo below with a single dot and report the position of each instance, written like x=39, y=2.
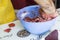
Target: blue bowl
x=34, y=27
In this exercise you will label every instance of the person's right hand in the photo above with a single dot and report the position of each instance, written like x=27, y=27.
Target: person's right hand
x=48, y=16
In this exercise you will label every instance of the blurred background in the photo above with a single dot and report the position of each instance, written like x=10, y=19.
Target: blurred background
x=18, y=4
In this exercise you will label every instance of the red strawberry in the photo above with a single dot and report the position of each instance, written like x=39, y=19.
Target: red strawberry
x=11, y=25
x=7, y=30
x=27, y=19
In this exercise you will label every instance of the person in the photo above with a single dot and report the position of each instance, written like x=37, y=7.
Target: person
x=48, y=9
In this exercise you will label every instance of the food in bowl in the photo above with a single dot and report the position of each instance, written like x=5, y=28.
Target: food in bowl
x=38, y=19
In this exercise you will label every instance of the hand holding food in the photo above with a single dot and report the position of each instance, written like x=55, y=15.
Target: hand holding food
x=48, y=8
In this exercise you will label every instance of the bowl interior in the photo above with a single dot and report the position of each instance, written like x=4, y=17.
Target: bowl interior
x=30, y=11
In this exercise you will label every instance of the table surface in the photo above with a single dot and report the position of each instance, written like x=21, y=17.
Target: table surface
x=17, y=22
x=56, y=26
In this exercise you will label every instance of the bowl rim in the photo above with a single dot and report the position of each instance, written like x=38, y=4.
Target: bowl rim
x=26, y=7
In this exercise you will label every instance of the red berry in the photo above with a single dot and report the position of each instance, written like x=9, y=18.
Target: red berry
x=27, y=19
x=7, y=30
x=11, y=25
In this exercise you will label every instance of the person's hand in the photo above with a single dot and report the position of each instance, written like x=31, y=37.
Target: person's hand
x=48, y=16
